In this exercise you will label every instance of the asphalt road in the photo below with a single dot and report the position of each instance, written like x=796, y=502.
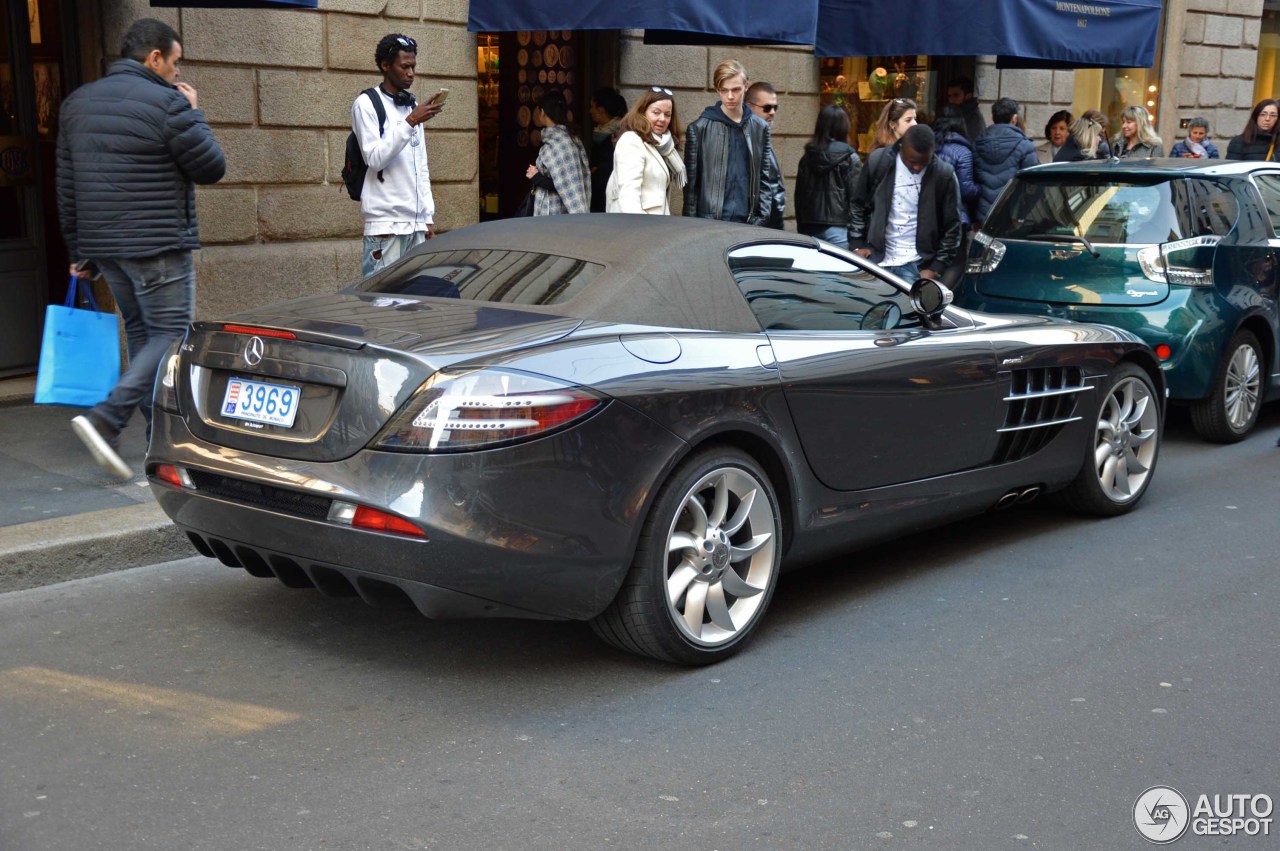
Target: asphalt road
x=1014, y=681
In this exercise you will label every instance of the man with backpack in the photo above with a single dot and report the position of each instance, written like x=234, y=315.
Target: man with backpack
x=386, y=166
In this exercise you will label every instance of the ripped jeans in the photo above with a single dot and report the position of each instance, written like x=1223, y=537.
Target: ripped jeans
x=381, y=251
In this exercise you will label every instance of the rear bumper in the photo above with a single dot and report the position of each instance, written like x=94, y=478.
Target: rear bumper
x=544, y=529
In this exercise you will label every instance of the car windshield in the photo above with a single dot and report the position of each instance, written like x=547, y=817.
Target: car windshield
x=1104, y=212
x=490, y=275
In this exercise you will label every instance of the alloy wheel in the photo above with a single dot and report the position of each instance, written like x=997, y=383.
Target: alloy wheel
x=1242, y=386
x=1128, y=428
x=720, y=556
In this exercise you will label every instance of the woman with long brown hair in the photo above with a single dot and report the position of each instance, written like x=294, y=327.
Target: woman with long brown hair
x=895, y=119
x=1258, y=140
x=646, y=157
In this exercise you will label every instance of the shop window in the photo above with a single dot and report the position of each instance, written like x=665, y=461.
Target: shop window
x=1267, y=80
x=1112, y=90
x=865, y=84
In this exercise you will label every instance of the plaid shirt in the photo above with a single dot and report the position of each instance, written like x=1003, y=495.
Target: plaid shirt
x=563, y=158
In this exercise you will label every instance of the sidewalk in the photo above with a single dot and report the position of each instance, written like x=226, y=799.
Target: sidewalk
x=61, y=515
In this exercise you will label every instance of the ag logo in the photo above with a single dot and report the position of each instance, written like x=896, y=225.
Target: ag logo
x=1161, y=814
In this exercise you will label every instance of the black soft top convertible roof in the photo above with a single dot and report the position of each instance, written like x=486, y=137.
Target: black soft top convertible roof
x=658, y=270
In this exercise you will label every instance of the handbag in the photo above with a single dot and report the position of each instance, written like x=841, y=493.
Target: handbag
x=526, y=205
x=80, y=352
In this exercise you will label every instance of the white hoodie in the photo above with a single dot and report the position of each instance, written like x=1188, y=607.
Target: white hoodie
x=401, y=202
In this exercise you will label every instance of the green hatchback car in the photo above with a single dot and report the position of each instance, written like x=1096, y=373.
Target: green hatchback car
x=1183, y=253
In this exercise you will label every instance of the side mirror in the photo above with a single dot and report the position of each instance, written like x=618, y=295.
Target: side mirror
x=930, y=298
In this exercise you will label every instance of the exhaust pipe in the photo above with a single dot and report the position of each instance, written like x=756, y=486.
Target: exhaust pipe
x=1007, y=500
x=1028, y=494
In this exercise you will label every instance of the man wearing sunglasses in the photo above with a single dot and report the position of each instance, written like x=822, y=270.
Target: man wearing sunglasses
x=726, y=155
x=396, y=201
x=762, y=98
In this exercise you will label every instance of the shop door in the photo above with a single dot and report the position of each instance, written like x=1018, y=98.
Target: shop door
x=514, y=70
x=34, y=77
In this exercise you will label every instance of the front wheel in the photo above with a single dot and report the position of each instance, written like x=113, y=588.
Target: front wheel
x=706, y=565
x=1231, y=410
x=1123, y=446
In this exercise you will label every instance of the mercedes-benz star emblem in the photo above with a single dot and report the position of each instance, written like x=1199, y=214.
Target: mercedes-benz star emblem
x=253, y=351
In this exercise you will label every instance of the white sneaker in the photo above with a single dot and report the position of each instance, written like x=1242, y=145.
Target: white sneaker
x=102, y=451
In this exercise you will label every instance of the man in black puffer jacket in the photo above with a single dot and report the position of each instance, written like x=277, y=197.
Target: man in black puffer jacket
x=131, y=147
x=999, y=153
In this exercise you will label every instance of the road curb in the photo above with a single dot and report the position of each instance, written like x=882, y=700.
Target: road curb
x=56, y=550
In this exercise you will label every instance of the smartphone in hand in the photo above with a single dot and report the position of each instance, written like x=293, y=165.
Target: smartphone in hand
x=439, y=97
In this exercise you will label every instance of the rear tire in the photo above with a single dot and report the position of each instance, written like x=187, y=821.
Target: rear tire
x=706, y=565
x=1231, y=410
x=1122, y=449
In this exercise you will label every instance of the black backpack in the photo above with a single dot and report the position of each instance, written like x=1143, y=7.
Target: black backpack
x=355, y=168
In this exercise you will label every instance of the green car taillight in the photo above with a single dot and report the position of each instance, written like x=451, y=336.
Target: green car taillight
x=1184, y=262
x=992, y=253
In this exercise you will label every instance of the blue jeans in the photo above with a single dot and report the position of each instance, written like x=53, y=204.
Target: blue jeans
x=836, y=235
x=382, y=251
x=157, y=298
x=909, y=272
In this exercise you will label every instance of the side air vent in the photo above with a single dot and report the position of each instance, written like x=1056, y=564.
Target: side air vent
x=1040, y=402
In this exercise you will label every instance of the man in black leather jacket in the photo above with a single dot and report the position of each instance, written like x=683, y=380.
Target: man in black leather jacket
x=907, y=205
x=131, y=147
x=726, y=154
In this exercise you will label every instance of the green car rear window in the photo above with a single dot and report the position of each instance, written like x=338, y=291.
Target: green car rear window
x=1104, y=212
x=502, y=277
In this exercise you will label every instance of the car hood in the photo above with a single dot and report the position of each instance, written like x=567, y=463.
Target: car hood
x=1066, y=273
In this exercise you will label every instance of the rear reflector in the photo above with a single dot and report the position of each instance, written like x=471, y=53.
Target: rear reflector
x=1164, y=352
x=174, y=476
x=381, y=521
x=260, y=332
x=363, y=517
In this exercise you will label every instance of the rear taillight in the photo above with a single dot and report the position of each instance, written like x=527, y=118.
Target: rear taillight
x=458, y=411
x=166, y=390
x=1186, y=262
x=992, y=253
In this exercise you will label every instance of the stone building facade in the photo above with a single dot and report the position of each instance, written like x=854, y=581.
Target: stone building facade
x=277, y=88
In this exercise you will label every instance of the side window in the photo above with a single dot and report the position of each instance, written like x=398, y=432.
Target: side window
x=1212, y=207
x=796, y=288
x=1269, y=186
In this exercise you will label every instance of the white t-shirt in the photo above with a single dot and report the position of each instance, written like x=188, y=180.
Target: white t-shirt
x=900, y=230
x=401, y=202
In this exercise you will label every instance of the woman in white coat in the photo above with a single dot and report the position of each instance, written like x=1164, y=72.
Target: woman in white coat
x=646, y=157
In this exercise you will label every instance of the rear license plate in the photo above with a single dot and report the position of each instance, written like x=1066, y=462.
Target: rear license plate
x=259, y=402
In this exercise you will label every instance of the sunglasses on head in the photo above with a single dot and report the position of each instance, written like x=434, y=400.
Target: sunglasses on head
x=766, y=107
x=660, y=90
x=904, y=102
x=407, y=43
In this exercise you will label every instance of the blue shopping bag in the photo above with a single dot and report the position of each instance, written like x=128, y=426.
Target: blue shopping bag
x=80, y=353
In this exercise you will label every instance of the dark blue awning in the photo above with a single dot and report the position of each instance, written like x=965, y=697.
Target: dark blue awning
x=234, y=4
x=752, y=20
x=1107, y=33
